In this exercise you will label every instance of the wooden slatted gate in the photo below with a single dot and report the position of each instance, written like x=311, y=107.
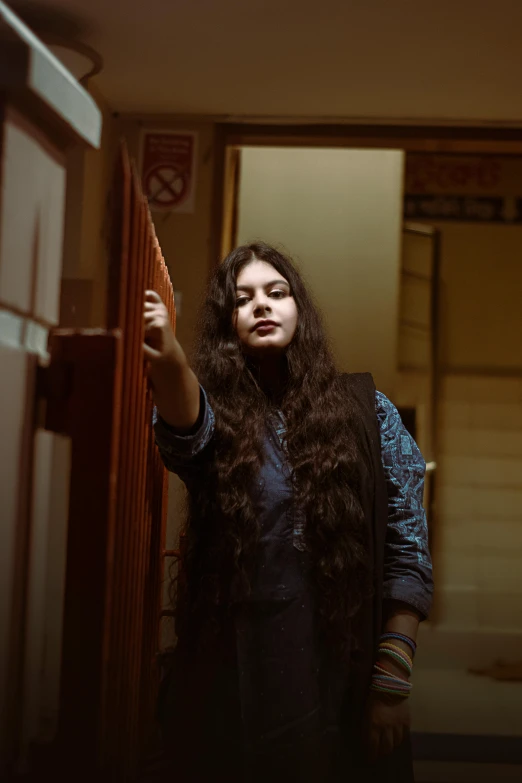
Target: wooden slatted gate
x=98, y=395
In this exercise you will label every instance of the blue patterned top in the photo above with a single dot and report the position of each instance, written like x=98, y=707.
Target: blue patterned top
x=407, y=561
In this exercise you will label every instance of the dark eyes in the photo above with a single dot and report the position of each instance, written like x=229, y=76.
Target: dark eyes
x=277, y=294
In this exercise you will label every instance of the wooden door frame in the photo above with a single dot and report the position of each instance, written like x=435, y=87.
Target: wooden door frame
x=430, y=139
x=442, y=139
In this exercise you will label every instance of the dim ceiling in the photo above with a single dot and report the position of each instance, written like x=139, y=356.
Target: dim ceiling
x=377, y=60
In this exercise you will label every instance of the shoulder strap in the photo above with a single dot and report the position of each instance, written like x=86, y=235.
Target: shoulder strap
x=362, y=385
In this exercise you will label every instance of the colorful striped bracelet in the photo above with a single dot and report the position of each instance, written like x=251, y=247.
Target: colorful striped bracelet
x=392, y=682
x=390, y=646
x=400, y=658
x=382, y=671
x=402, y=638
x=384, y=688
x=385, y=681
x=390, y=685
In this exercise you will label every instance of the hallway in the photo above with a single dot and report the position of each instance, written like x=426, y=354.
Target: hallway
x=203, y=94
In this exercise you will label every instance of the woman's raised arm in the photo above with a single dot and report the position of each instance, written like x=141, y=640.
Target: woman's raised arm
x=175, y=386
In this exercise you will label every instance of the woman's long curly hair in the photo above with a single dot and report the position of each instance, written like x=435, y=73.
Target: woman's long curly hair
x=324, y=449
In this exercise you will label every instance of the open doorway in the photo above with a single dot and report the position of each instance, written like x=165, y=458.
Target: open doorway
x=452, y=277
x=339, y=213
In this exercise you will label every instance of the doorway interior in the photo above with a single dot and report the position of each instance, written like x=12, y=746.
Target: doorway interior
x=424, y=256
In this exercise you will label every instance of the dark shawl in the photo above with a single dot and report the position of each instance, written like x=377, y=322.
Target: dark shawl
x=396, y=768
x=191, y=680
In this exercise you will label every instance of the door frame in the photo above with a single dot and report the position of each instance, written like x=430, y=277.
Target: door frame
x=441, y=140
x=436, y=139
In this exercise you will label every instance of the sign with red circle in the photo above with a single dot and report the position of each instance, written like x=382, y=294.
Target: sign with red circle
x=168, y=170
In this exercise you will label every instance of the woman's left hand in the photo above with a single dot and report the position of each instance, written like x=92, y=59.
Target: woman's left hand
x=387, y=722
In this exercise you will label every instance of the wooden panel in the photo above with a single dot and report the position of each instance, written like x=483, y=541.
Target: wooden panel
x=84, y=410
x=76, y=302
x=117, y=513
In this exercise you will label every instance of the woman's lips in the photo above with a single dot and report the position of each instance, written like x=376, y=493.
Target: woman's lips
x=265, y=324
x=265, y=328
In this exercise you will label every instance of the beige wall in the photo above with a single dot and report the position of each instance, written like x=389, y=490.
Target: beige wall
x=481, y=270
x=481, y=279
x=185, y=239
x=478, y=536
x=416, y=330
x=480, y=531
x=338, y=213
x=89, y=174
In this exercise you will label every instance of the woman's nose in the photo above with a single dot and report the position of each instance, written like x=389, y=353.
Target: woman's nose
x=261, y=305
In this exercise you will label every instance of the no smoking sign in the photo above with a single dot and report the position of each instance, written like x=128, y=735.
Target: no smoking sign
x=168, y=170
x=165, y=186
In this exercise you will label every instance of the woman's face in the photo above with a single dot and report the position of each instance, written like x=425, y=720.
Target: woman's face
x=265, y=317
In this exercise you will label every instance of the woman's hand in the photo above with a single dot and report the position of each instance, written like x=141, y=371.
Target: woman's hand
x=388, y=716
x=387, y=721
x=174, y=386
x=160, y=343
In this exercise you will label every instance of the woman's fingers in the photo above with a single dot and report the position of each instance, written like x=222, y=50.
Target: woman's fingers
x=154, y=324
x=158, y=334
x=153, y=296
x=150, y=353
x=387, y=741
x=154, y=316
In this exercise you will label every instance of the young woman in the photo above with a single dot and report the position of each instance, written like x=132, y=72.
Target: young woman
x=307, y=568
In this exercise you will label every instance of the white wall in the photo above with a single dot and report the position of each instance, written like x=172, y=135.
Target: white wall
x=338, y=213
